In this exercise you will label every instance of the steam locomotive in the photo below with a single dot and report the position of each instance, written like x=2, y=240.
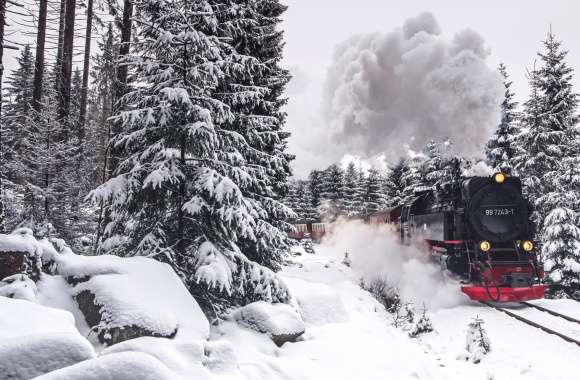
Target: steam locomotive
x=478, y=228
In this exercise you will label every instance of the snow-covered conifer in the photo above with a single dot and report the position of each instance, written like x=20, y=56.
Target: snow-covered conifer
x=178, y=193
x=548, y=116
x=477, y=343
x=254, y=96
x=393, y=184
x=373, y=194
x=500, y=149
x=352, y=199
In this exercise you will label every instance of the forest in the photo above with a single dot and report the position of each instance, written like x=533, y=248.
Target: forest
x=148, y=128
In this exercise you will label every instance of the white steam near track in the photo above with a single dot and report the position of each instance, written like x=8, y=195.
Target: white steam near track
x=376, y=253
x=386, y=91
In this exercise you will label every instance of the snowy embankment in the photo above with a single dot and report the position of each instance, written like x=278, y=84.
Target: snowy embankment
x=341, y=330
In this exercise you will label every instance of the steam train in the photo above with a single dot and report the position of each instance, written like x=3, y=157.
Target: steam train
x=478, y=228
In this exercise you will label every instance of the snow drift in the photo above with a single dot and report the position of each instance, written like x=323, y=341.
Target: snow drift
x=376, y=253
x=386, y=91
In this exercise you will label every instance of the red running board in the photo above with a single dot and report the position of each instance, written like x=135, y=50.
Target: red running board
x=479, y=293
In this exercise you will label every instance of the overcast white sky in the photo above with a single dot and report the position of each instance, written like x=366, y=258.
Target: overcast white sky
x=511, y=29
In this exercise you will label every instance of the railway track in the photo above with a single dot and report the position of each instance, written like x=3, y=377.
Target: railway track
x=537, y=325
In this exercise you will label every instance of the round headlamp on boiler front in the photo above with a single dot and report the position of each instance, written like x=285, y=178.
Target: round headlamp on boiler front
x=484, y=246
x=499, y=177
x=527, y=246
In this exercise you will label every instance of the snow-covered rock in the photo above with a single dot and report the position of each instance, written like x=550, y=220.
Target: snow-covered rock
x=19, y=318
x=33, y=355
x=18, y=286
x=279, y=321
x=119, y=366
x=20, y=253
x=130, y=297
x=317, y=303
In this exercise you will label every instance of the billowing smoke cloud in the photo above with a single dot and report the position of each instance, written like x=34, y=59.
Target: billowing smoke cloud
x=376, y=253
x=385, y=91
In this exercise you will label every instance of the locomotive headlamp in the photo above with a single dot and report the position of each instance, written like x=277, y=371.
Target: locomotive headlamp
x=484, y=246
x=527, y=245
x=499, y=177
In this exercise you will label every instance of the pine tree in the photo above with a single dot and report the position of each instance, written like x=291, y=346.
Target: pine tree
x=178, y=193
x=393, y=184
x=256, y=100
x=500, y=150
x=562, y=249
x=373, y=196
x=351, y=203
x=315, y=180
x=411, y=177
x=549, y=115
x=333, y=184
x=437, y=165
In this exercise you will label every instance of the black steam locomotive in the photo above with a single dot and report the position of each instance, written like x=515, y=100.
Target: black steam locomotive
x=478, y=228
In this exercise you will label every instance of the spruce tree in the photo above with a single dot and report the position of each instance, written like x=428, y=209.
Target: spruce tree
x=315, y=180
x=411, y=177
x=549, y=115
x=393, y=184
x=500, y=149
x=178, y=194
x=373, y=196
x=255, y=100
x=351, y=201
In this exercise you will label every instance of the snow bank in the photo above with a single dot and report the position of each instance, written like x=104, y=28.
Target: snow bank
x=317, y=303
x=186, y=358
x=120, y=366
x=30, y=356
x=376, y=253
x=279, y=321
x=19, y=318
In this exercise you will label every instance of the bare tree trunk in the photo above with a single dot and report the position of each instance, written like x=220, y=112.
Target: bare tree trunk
x=59, y=44
x=66, y=63
x=2, y=23
x=39, y=61
x=86, y=64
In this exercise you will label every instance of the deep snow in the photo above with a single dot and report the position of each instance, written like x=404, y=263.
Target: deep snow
x=348, y=333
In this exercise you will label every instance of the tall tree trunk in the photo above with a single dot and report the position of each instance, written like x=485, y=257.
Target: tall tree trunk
x=66, y=63
x=120, y=88
x=2, y=210
x=84, y=90
x=58, y=62
x=39, y=61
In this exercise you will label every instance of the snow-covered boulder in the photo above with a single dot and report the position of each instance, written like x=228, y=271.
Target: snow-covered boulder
x=20, y=253
x=18, y=286
x=279, y=321
x=33, y=355
x=119, y=366
x=125, y=298
x=317, y=303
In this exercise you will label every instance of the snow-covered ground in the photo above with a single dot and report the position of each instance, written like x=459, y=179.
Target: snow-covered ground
x=348, y=333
